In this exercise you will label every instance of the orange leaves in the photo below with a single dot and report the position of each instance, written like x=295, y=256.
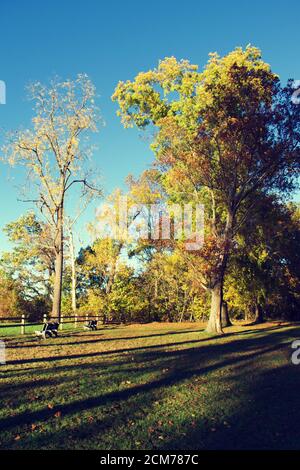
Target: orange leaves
x=57, y=414
x=211, y=254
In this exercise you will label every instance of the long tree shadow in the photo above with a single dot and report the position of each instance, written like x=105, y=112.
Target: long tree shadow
x=81, y=356
x=126, y=350
x=152, y=352
x=213, y=357
x=172, y=378
x=38, y=343
x=90, y=340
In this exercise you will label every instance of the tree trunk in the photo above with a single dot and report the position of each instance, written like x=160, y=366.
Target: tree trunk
x=225, y=315
x=73, y=268
x=249, y=314
x=214, y=323
x=104, y=318
x=108, y=289
x=149, y=308
x=59, y=260
x=215, y=318
x=259, y=317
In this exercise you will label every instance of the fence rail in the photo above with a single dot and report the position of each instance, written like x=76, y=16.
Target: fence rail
x=64, y=320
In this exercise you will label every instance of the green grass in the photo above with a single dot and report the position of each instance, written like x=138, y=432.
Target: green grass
x=159, y=386
x=9, y=329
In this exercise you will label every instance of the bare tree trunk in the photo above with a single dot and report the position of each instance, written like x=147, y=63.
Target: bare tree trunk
x=214, y=323
x=73, y=269
x=225, y=315
x=59, y=260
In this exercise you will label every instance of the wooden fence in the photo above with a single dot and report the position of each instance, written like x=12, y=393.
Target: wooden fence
x=64, y=320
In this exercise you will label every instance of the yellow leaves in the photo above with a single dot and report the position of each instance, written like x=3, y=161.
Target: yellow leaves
x=62, y=111
x=263, y=256
x=170, y=67
x=237, y=71
x=146, y=100
x=176, y=90
x=248, y=57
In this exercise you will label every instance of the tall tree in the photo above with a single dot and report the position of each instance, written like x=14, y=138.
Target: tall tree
x=54, y=154
x=222, y=134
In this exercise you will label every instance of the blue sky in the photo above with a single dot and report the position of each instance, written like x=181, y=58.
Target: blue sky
x=112, y=41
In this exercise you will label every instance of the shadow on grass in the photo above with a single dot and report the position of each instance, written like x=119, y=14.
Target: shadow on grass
x=269, y=420
x=249, y=424
x=54, y=342
x=238, y=343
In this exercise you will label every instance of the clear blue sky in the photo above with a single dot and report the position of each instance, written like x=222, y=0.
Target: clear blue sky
x=112, y=41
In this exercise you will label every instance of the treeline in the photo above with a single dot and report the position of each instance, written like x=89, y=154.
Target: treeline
x=226, y=138
x=144, y=280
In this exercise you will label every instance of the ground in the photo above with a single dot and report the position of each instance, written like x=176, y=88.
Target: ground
x=156, y=386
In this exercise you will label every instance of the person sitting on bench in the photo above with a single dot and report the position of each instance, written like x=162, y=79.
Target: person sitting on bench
x=49, y=330
x=91, y=325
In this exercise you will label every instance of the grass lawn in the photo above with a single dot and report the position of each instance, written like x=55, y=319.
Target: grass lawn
x=9, y=329
x=156, y=386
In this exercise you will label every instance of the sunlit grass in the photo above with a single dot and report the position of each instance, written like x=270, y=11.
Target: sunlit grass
x=14, y=329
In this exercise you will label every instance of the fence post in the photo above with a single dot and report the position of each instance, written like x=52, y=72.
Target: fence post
x=61, y=322
x=75, y=321
x=23, y=325
x=44, y=318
